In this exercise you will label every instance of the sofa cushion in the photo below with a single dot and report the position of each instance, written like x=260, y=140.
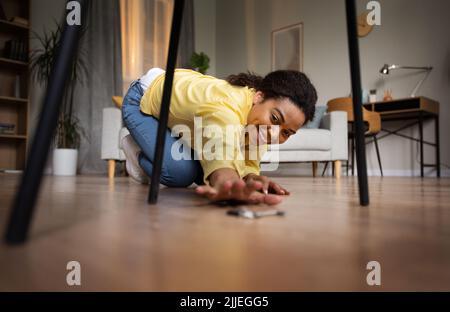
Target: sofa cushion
x=307, y=140
x=318, y=114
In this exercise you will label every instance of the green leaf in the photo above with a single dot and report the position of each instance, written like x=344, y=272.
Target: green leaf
x=200, y=62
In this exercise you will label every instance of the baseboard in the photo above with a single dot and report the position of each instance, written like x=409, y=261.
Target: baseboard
x=409, y=173
x=305, y=169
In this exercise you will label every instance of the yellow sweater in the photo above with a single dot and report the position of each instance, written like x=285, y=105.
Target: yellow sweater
x=218, y=104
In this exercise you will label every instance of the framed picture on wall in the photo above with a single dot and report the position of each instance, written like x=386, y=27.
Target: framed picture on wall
x=287, y=47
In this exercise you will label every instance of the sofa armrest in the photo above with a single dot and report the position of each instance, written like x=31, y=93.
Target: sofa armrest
x=111, y=128
x=336, y=122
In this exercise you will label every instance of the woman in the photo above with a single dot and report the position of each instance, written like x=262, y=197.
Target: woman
x=267, y=110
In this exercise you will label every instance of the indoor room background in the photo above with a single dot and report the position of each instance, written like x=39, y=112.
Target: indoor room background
x=236, y=35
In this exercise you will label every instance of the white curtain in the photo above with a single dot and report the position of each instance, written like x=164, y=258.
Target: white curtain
x=145, y=28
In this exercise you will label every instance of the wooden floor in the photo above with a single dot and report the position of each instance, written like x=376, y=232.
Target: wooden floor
x=184, y=244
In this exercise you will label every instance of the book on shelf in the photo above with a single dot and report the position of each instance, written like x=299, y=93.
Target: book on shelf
x=6, y=125
x=7, y=132
x=16, y=49
x=7, y=128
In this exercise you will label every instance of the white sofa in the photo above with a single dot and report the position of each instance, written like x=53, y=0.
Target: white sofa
x=328, y=143
x=113, y=131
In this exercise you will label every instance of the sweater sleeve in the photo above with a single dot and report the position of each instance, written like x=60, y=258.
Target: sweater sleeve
x=220, y=134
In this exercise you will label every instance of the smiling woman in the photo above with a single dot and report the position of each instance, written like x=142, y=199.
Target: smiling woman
x=214, y=110
x=284, y=97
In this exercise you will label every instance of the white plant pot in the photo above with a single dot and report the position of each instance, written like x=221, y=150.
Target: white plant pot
x=65, y=162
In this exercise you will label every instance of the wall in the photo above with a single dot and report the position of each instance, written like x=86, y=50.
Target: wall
x=205, y=30
x=413, y=32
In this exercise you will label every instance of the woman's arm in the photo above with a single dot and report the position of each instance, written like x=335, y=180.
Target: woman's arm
x=225, y=184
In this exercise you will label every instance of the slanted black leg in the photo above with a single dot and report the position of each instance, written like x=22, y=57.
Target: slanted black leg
x=348, y=157
x=421, y=143
x=324, y=168
x=438, y=156
x=353, y=154
x=357, y=105
x=25, y=199
x=165, y=103
x=375, y=140
x=346, y=168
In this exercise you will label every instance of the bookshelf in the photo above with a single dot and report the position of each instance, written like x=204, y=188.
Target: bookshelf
x=14, y=83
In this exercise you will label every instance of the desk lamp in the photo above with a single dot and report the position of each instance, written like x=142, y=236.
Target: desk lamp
x=387, y=68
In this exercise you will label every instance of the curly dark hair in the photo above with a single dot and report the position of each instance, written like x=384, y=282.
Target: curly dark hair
x=278, y=84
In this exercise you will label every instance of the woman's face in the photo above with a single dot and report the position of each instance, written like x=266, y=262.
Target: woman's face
x=273, y=120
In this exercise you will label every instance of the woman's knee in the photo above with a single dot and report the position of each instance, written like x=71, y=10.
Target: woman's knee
x=180, y=173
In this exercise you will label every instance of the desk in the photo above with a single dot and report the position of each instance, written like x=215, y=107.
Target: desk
x=417, y=109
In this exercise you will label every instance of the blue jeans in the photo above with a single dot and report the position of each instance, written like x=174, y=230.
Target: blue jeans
x=143, y=128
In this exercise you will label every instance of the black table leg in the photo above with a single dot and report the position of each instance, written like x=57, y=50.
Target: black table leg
x=438, y=143
x=357, y=105
x=324, y=168
x=353, y=155
x=349, y=148
x=377, y=149
x=421, y=143
x=165, y=103
x=25, y=198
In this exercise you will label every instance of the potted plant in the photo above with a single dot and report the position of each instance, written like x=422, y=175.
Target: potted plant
x=68, y=133
x=200, y=62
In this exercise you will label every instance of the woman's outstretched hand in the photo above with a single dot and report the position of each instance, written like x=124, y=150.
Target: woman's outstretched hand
x=249, y=191
x=268, y=186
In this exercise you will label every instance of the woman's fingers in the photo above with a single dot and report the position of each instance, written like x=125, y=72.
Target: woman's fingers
x=224, y=190
x=265, y=184
x=269, y=199
x=268, y=185
x=242, y=190
x=207, y=191
x=202, y=189
x=239, y=190
x=256, y=198
x=272, y=199
x=277, y=189
x=252, y=186
x=260, y=198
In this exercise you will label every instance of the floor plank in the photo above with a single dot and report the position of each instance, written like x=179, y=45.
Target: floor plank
x=185, y=244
